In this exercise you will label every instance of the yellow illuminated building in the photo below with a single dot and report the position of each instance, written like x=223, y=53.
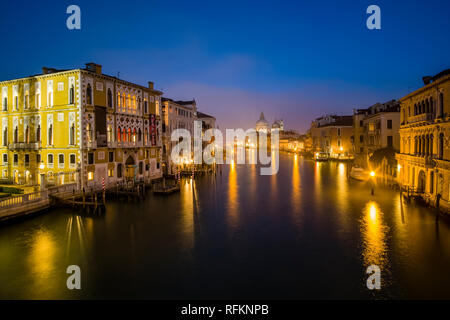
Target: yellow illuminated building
x=424, y=157
x=78, y=126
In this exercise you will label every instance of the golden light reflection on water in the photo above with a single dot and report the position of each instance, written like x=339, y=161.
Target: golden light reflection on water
x=187, y=210
x=374, y=235
x=233, y=198
x=42, y=259
x=295, y=198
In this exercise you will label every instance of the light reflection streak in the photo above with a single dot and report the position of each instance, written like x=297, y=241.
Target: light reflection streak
x=374, y=234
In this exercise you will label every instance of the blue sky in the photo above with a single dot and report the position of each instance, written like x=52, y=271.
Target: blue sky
x=291, y=59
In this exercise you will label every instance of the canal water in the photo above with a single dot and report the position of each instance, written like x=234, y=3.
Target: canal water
x=307, y=232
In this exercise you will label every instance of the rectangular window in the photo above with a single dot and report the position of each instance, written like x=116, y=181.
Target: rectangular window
x=27, y=160
x=38, y=158
x=361, y=139
x=389, y=124
x=5, y=159
x=339, y=131
x=389, y=141
x=111, y=156
x=72, y=159
x=110, y=172
x=16, y=159
x=91, y=158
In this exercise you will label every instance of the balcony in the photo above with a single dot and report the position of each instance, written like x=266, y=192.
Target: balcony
x=424, y=117
x=33, y=146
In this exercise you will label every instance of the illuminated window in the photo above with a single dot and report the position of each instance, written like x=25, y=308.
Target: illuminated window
x=90, y=175
x=110, y=172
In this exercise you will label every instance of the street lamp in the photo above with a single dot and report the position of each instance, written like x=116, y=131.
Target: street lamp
x=372, y=174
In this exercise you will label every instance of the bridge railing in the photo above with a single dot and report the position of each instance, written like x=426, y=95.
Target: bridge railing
x=23, y=199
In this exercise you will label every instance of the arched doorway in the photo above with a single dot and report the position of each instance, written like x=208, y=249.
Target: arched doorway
x=421, y=182
x=130, y=167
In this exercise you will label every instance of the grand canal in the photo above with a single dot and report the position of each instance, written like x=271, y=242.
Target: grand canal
x=307, y=232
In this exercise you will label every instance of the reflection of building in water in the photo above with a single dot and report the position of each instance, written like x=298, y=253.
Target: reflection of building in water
x=424, y=157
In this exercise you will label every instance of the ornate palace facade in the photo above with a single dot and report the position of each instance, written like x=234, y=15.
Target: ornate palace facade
x=79, y=125
x=424, y=158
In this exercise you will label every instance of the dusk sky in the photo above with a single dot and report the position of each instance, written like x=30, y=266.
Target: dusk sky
x=293, y=60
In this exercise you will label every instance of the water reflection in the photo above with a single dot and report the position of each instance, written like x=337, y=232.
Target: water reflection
x=233, y=198
x=374, y=234
x=42, y=258
x=187, y=211
x=295, y=197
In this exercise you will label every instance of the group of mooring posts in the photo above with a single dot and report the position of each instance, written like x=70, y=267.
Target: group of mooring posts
x=93, y=202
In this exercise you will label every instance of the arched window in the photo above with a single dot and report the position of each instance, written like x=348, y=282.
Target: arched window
x=109, y=98
x=16, y=134
x=5, y=104
x=71, y=95
x=441, y=146
x=146, y=136
x=89, y=94
x=119, y=132
x=118, y=100
x=431, y=145
x=109, y=135
x=415, y=109
x=441, y=104
x=129, y=135
x=38, y=133
x=5, y=136
x=50, y=135
x=139, y=135
x=50, y=99
x=134, y=135
x=72, y=134
x=431, y=182
x=27, y=135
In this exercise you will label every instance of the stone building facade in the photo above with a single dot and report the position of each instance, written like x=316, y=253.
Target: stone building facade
x=424, y=157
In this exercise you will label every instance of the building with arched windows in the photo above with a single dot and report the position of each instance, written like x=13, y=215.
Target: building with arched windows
x=424, y=157
x=78, y=126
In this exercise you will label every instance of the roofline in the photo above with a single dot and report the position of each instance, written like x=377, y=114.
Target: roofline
x=48, y=75
x=428, y=86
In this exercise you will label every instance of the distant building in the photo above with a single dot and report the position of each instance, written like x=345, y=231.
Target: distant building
x=262, y=125
x=332, y=134
x=376, y=128
x=175, y=115
x=424, y=157
x=278, y=125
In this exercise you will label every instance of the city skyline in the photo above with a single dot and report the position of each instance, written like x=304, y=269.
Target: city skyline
x=310, y=60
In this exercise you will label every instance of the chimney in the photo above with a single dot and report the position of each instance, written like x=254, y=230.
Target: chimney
x=46, y=70
x=427, y=79
x=150, y=85
x=91, y=66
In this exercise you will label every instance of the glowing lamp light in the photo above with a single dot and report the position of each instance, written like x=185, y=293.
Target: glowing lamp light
x=399, y=167
x=341, y=148
x=372, y=173
x=42, y=166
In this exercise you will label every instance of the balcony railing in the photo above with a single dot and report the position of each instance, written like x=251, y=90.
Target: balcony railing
x=24, y=146
x=421, y=118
